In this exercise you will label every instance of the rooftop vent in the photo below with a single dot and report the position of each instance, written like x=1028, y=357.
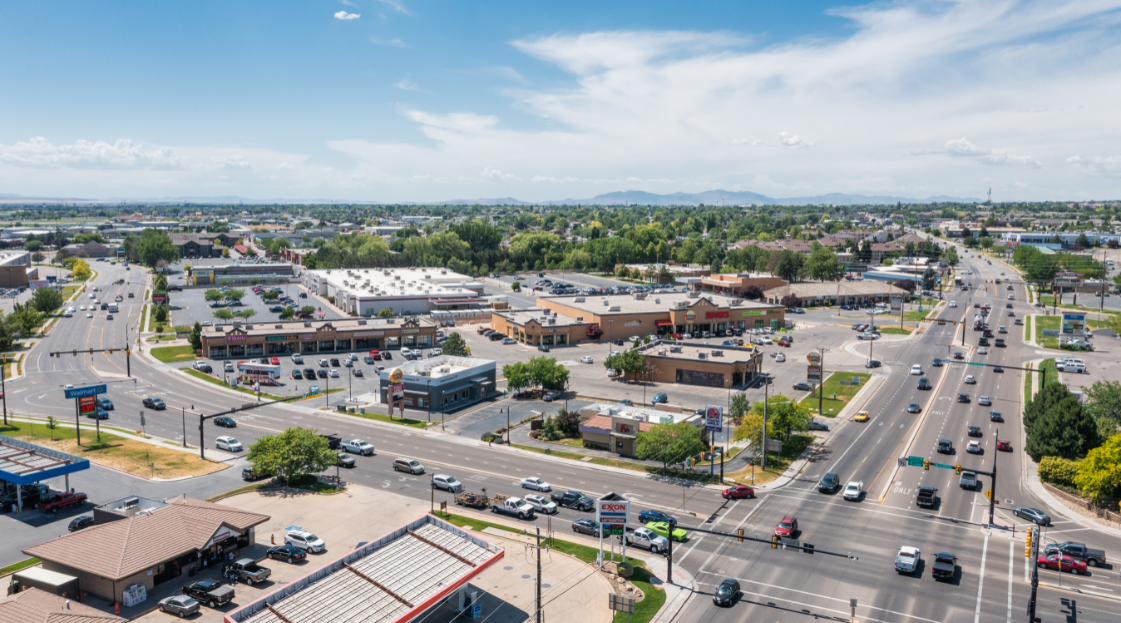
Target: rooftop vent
x=737, y=302
x=693, y=294
x=578, y=299
x=579, y=319
x=614, y=308
x=606, y=302
x=278, y=326
x=717, y=353
x=362, y=322
x=307, y=324
x=700, y=355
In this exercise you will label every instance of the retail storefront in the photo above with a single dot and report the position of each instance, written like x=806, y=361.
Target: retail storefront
x=443, y=383
x=333, y=336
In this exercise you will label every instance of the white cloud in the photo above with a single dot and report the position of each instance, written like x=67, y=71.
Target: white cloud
x=393, y=43
x=964, y=148
x=792, y=141
x=494, y=175
x=555, y=180
x=397, y=5
x=343, y=15
x=348, y=3
x=123, y=154
x=231, y=162
x=1098, y=166
x=407, y=84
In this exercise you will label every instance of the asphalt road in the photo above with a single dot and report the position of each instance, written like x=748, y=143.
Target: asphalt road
x=779, y=585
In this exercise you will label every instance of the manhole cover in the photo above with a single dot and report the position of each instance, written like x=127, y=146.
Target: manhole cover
x=546, y=586
x=526, y=576
x=507, y=568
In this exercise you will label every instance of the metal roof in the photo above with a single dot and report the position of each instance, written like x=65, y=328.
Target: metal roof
x=24, y=463
x=396, y=578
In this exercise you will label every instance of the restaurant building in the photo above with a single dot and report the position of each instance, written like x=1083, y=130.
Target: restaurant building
x=618, y=427
x=137, y=544
x=701, y=364
x=539, y=326
x=622, y=316
x=442, y=383
x=319, y=337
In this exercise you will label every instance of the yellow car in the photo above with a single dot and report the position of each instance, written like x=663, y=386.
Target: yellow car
x=861, y=416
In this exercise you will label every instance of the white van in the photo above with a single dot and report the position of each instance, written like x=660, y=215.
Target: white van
x=1071, y=365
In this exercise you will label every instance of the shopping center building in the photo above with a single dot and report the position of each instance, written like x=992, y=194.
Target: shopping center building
x=442, y=383
x=367, y=291
x=623, y=316
x=332, y=336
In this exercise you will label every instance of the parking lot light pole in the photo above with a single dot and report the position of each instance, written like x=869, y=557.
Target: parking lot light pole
x=508, y=431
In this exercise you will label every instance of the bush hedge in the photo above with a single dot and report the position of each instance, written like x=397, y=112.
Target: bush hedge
x=1058, y=471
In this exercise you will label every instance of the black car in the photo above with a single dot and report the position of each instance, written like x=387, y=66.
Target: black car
x=345, y=460
x=937, y=363
x=803, y=386
x=1033, y=515
x=225, y=422
x=309, y=373
x=153, y=402
x=726, y=593
x=296, y=374
x=873, y=363
x=321, y=373
x=945, y=446
x=80, y=522
x=963, y=397
x=587, y=526
x=210, y=592
x=335, y=361
x=648, y=516
x=995, y=416
x=830, y=483
x=248, y=474
x=914, y=407
x=287, y=553
x=975, y=431
x=998, y=369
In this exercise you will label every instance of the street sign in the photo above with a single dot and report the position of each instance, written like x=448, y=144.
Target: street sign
x=915, y=461
x=902, y=461
x=813, y=374
x=941, y=465
x=974, y=363
x=89, y=390
x=714, y=418
x=87, y=404
x=620, y=603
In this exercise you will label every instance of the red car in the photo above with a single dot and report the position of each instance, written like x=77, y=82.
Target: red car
x=1068, y=564
x=1004, y=444
x=738, y=492
x=377, y=356
x=788, y=527
x=275, y=361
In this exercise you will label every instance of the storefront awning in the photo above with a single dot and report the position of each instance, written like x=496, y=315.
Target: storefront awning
x=482, y=380
x=623, y=436
x=663, y=323
x=409, y=391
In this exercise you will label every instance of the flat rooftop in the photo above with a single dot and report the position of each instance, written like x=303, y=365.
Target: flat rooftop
x=601, y=304
x=377, y=283
x=641, y=414
x=309, y=326
x=542, y=316
x=440, y=366
x=692, y=352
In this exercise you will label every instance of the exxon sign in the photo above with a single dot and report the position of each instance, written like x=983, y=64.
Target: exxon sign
x=613, y=509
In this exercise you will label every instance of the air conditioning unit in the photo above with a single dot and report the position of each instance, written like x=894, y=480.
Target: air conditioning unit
x=606, y=302
x=552, y=321
x=361, y=322
x=700, y=355
x=717, y=353
x=737, y=302
x=578, y=299
x=693, y=294
x=657, y=300
x=675, y=348
x=579, y=319
x=307, y=324
x=639, y=296
x=679, y=305
x=614, y=308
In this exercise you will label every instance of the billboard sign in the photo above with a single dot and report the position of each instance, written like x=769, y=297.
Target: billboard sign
x=714, y=418
x=398, y=391
x=159, y=297
x=38, y=283
x=89, y=390
x=813, y=374
x=1074, y=323
x=813, y=357
x=87, y=404
x=613, y=511
x=896, y=303
x=396, y=376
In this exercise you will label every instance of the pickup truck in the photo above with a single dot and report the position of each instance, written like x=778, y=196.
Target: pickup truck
x=61, y=500
x=1078, y=551
x=210, y=592
x=573, y=499
x=926, y=496
x=968, y=480
x=511, y=506
x=907, y=560
x=646, y=539
x=247, y=570
x=29, y=494
x=945, y=564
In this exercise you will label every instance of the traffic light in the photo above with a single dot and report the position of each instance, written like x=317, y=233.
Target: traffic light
x=809, y=549
x=1027, y=545
x=740, y=532
x=926, y=465
x=957, y=469
x=110, y=351
x=774, y=541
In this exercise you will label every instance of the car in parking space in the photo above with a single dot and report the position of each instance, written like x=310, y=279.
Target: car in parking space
x=179, y=605
x=587, y=526
x=358, y=446
x=787, y=527
x=225, y=422
x=296, y=374
x=802, y=386
x=738, y=492
x=287, y=553
x=447, y=483
x=914, y=407
x=815, y=425
x=154, y=402
x=229, y=366
x=343, y=459
x=306, y=541
x=80, y=522
x=334, y=374
x=970, y=379
x=323, y=363
x=586, y=359
x=973, y=447
x=321, y=373
x=779, y=358
x=335, y=361
x=861, y=416
x=509, y=340
x=297, y=359
x=984, y=401
x=309, y=373
x=1003, y=445
x=229, y=443
x=535, y=483
x=1033, y=515
x=358, y=372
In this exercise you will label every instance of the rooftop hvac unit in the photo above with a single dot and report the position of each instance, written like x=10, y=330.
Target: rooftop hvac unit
x=361, y=322
x=737, y=302
x=248, y=327
x=693, y=294
x=579, y=319
x=445, y=370
x=675, y=348
x=578, y=299
x=219, y=328
x=278, y=326
x=606, y=302
x=679, y=305
x=639, y=296
x=307, y=324
x=700, y=355
x=657, y=300
x=612, y=411
x=614, y=308
x=429, y=277
x=717, y=353
x=662, y=352
x=552, y=321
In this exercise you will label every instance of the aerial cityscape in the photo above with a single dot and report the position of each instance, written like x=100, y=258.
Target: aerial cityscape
x=391, y=311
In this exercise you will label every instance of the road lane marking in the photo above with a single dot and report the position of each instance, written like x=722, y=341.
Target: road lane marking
x=981, y=580
x=844, y=601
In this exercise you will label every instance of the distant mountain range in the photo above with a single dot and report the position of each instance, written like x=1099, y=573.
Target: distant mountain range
x=626, y=197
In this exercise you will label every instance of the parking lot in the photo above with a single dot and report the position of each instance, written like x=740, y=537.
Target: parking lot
x=195, y=307
x=347, y=377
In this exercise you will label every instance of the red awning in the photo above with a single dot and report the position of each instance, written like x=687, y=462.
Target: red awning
x=664, y=323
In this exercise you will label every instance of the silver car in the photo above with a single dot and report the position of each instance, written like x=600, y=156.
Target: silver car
x=181, y=605
x=447, y=483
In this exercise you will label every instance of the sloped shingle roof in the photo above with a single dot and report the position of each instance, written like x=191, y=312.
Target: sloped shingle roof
x=36, y=606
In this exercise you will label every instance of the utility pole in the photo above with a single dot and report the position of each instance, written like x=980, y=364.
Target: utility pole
x=669, y=551
x=183, y=410
x=992, y=491
x=872, y=334
x=1033, y=538
x=539, y=613
x=821, y=384
x=3, y=387
x=766, y=387
x=508, y=431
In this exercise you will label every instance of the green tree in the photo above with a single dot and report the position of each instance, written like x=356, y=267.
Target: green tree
x=293, y=453
x=33, y=245
x=160, y=282
x=1058, y=471
x=46, y=299
x=1099, y=475
x=235, y=294
x=23, y=320
x=568, y=423
x=669, y=443
x=1104, y=404
x=308, y=310
x=785, y=416
x=246, y=313
x=271, y=295
x=7, y=340
x=38, y=257
x=386, y=313
x=1057, y=425
x=750, y=429
x=929, y=278
x=223, y=313
x=630, y=363
x=455, y=346
x=196, y=336
x=739, y=407
x=161, y=313
x=287, y=313
x=81, y=270
x=214, y=294
x=516, y=286
x=517, y=376
x=788, y=265
x=151, y=246
x=823, y=264
x=951, y=256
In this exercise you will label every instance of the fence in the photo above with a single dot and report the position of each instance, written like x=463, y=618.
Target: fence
x=1084, y=506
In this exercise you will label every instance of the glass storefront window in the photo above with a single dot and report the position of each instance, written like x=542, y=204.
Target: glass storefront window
x=327, y=346
x=409, y=340
x=424, y=340
x=254, y=350
x=342, y=345
x=307, y=347
x=218, y=352
x=279, y=348
x=392, y=342
x=237, y=350
x=367, y=343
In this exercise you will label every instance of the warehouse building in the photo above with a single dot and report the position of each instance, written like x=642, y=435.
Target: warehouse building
x=137, y=544
x=16, y=269
x=305, y=337
x=367, y=291
x=442, y=383
x=620, y=317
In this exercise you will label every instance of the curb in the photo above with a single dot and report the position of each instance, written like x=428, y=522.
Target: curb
x=1079, y=591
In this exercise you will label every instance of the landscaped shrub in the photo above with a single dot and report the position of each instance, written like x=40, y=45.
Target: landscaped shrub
x=1058, y=471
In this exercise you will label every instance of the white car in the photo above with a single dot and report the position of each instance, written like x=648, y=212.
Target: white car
x=586, y=359
x=982, y=351
x=92, y=295
x=916, y=370
x=973, y=447
x=358, y=446
x=89, y=315
x=780, y=357
x=536, y=484
x=229, y=443
x=767, y=340
x=297, y=358
x=541, y=503
x=83, y=308
x=305, y=541
x=334, y=373
x=229, y=367
x=447, y=483
x=907, y=560
x=854, y=490
x=953, y=303
x=969, y=380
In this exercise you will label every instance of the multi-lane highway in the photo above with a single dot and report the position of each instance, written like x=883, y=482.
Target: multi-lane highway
x=778, y=585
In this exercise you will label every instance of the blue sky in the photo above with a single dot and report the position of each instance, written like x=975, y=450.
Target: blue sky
x=429, y=100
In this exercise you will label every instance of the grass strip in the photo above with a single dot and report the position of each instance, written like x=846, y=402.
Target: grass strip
x=173, y=354
x=638, y=467
x=836, y=395
x=219, y=382
x=895, y=330
x=792, y=448
x=653, y=598
x=23, y=564
x=385, y=418
x=245, y=489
